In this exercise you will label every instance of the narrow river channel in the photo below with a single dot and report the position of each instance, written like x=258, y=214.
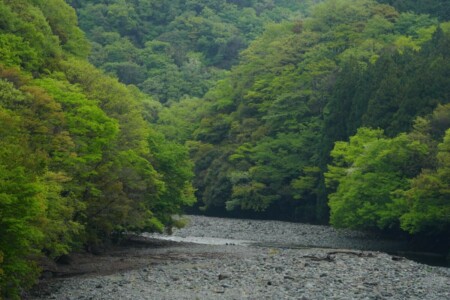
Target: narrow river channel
x=229, y=259
x=288, y=235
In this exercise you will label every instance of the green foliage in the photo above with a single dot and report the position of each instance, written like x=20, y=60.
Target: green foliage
x=399, y=182
x=15, y=52
x=177, y=49
x=300, y=87
x=391, y=92
x=79, y=160
x=21, y=206
x=171, y=160
x=29, y=23
x=425, y=204
x=181, y=120
x=134, y=191
x=433, y=7
x=83, y=157
x=366, y=171
x=60, y=229
x=63, y=22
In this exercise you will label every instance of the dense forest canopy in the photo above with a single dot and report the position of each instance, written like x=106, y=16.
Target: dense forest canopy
x=175, y=49
x=79, y=160
x=311, y=74
x=265, y=143
x=438, y=8
x=334, y=111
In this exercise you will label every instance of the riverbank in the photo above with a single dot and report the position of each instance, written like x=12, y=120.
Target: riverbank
x=296, y=235
x=284, y=234
x=155, y=269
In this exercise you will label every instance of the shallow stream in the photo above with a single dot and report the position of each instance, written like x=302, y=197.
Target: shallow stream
x=286, y=235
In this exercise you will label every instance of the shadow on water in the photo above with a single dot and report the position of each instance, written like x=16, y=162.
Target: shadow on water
x=428, y=258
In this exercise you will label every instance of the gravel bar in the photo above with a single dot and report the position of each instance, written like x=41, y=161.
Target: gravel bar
x=272, y=260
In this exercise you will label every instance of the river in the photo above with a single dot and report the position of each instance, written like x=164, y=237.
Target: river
x=214, y=258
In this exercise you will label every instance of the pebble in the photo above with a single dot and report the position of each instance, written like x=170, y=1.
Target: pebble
x=256, y=272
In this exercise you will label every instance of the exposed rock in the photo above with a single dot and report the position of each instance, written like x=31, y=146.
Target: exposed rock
x=194, y=271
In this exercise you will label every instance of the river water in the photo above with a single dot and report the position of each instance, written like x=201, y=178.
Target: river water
x=230, y=259
x=288, y=235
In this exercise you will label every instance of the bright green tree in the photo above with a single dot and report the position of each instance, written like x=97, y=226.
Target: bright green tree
x=365, y=173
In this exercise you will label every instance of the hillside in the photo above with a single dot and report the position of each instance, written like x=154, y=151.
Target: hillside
x=334, y=112
x=176, y=49
x=79, y=164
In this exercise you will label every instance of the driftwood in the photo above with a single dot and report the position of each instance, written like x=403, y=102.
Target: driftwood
x=331, y=255
x=357, y=253
x=328, y=258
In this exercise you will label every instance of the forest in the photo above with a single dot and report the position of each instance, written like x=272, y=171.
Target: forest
x=116, y=115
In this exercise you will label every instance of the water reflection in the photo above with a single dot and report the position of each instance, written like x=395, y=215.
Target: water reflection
x=432, y=259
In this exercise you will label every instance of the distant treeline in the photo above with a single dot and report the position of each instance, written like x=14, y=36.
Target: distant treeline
x=344, y=113
x=274, y=135
x=179, y=48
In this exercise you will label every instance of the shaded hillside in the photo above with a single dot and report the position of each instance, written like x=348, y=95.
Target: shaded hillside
x=265, y=142
x=179, y=48
x=78, y=161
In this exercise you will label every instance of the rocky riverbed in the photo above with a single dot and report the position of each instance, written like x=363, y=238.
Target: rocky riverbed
x=247, y=260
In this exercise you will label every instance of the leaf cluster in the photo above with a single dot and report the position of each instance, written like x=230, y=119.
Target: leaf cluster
x=177, y=49
x=264, y=144
x=79, y=161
